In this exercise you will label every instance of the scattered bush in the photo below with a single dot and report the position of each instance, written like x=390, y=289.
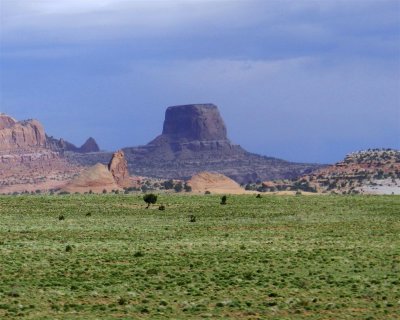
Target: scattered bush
x=122, y=301
x=223, y=200
x=187, y=188
x=61, y=217
x=161, y=208
x=178, y=187
x=68, y=248
x=168, y=184
x=150, y=199
x=138, y=254
x=192, y=218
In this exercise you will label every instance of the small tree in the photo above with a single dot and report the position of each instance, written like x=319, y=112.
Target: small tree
x=223, y=200
x=187, y=188
x=169, y=184
x=178, y=187
x=150, y=199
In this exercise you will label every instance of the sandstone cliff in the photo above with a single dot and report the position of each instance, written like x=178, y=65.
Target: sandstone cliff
x=20, y=135
x=118, y=167
x=30, y=160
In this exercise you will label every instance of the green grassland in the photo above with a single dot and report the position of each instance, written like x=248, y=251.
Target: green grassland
x=275, y=257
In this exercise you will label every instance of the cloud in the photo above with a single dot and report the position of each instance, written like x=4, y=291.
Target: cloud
x=256, y=29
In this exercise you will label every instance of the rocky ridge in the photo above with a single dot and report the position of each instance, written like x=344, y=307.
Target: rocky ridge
x=373, y=171
x=23, y=135
x=60, y=145
x=30, y=160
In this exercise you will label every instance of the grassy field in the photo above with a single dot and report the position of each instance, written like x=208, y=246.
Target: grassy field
x=294, y=257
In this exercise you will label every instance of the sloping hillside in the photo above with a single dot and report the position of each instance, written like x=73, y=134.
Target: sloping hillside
x=374, y=171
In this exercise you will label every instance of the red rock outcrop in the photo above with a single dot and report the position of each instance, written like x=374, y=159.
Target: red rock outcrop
x=27, y=160
x=6, y=121
x=20, y=135
x=96, y=179
x=118, y=167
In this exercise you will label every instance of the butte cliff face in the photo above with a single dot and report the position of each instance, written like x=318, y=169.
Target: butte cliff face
x=194, y=139
x=197, y=122
x=20, y=135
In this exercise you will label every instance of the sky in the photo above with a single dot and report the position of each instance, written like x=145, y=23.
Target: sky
x=302, y=80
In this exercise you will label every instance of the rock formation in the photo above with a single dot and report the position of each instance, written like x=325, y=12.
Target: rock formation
x=373, y=171
x=20, y=135
x=194, y=139
x=61, y=145
x=6, y=121
x=30, y=160
x=99, y=177
x=214, y=183
x=89, y=146
x=198, y=122
x=96, y=179
x=118, y=167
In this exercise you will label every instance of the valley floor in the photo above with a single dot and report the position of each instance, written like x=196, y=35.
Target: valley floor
x=274, y=257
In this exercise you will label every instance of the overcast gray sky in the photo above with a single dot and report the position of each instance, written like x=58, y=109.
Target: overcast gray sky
x=300, y=80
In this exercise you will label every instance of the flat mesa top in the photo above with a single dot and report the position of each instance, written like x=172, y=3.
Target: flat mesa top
x=194, y=106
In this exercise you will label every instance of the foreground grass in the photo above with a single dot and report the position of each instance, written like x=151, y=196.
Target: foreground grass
x=317, y=257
